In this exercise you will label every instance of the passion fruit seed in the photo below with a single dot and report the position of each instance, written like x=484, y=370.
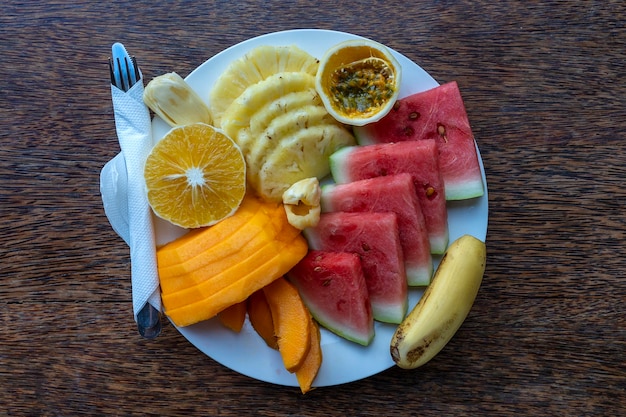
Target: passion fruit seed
x=358, y=81
x=362, y=86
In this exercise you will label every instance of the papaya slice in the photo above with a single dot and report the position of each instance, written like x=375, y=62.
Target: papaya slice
x=218, y=267
x=198, y=240
x=309, y=369
x=292, y=322
x=287, y=254
x=251, y=233
x=260, y=317
x=234, y=316
x=217, y=276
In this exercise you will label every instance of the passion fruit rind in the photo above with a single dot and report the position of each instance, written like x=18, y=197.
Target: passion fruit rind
x=358, y=81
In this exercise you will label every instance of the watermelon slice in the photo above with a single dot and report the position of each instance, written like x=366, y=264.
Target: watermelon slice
x=438, y=113
x=375, y=238
x=416, y=158
x=333, y=288
x=395, y=194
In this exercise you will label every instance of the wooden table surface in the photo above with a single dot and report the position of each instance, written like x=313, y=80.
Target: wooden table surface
x=545, y=88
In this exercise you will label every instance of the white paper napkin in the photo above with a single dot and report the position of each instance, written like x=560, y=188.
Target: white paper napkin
x=123, y=190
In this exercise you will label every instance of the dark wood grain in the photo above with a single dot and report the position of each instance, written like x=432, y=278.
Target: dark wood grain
x=545, y=88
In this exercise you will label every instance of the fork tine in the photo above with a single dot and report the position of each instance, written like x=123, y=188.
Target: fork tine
x=126, y=73
x=136, y=68
x=111, y=74
x=123, y=68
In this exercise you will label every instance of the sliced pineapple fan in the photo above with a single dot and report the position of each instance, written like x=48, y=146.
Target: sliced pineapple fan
x=267, y=103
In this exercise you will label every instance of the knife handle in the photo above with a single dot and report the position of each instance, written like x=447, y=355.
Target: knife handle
x=149, y=322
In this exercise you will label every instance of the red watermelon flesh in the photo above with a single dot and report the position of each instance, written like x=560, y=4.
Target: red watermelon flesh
x=440, y=114
x=376, y=239
x=419, y=159
x=333, y=288
x=395, y=194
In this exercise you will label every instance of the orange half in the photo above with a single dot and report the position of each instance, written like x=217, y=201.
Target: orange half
x=195, y=176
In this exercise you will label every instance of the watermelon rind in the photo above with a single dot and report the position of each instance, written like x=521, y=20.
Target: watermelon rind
x=339, y=173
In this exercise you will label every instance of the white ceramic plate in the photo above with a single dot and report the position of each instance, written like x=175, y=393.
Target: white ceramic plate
x=343, y=361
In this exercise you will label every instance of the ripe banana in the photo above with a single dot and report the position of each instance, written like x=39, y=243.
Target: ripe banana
x=444, y=305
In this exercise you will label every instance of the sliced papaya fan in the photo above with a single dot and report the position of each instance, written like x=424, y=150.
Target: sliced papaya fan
x=195, y=176
x=198, y=284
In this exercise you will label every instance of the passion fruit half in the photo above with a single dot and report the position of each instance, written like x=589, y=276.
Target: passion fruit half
x=358, y=81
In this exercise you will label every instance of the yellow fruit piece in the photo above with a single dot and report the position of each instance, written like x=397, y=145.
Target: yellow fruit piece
x=281, y=128
x=282, y=105
x=284, y=132
x=195, y=176
x=358, y=81
x=445, y=304
x=260, y=95
x=173, y=100
x=264, y=116
x=302, y=155
x=302, y=203
x=257, y=65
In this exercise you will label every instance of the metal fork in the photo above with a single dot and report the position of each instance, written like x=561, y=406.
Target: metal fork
x=124, y=74
x=123, y=68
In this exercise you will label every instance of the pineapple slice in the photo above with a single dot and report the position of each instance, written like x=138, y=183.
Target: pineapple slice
x=259, y=96
x=262, y=119
x=282, y=128
x=282, y=105
x=257, y=65
x=302, y=155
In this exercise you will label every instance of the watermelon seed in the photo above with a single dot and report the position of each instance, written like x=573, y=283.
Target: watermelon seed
x=408, y=131
x=414, y=115
x=441, y=130
x=326, y=282
x=430, y=192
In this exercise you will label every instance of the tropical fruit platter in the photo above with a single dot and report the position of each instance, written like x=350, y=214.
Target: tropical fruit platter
x=308, y=188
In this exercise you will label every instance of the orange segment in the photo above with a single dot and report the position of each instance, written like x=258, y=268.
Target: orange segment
x=195, y=176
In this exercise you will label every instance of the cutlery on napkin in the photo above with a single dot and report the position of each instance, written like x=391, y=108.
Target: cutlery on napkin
x=122, y=186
